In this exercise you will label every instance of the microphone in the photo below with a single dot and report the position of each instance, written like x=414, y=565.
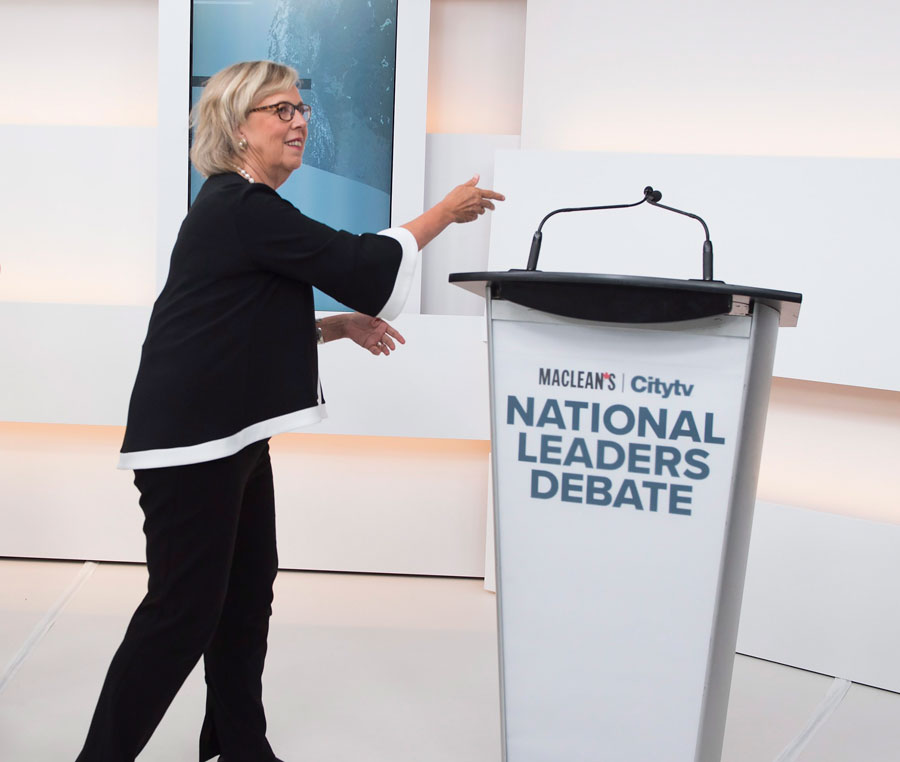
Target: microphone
x=651, y=196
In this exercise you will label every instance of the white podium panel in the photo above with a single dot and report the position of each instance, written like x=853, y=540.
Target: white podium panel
x=615, y=452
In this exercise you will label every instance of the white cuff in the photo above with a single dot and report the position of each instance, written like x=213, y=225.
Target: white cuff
x=405, y=274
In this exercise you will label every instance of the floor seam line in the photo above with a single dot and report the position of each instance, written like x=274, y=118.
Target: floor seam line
x=46, y=623
x=836, y=692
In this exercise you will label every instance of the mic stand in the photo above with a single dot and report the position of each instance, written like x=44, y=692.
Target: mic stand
x=651, y=196
x=536, y=238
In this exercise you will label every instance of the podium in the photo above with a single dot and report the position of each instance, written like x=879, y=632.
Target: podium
x=627, y=419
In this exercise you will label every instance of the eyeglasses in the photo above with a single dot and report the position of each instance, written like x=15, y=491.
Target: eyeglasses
x=285, y=111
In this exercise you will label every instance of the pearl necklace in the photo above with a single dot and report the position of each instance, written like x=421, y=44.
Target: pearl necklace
x=245, y=174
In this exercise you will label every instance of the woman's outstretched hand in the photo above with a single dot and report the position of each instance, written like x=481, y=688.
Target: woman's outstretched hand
x=467, y=202
x=369, y=332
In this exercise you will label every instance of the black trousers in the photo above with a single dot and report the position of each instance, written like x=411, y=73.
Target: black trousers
x=212, y=559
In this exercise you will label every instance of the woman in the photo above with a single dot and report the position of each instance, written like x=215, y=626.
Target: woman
x=230, y=360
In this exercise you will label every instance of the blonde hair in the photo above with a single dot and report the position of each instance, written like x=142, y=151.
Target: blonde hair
x=223, y=107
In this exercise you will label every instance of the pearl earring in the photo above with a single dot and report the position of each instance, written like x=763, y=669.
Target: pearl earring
x=242, y=144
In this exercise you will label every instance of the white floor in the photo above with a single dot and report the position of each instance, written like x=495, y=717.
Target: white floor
x=363, y=669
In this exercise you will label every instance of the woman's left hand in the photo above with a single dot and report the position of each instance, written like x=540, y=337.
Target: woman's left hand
x=370, y=333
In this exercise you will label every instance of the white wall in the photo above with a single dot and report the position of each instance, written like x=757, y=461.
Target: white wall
x=476, y=67
x=79, y=221
x=76, y=363
x=77, y=119
x=380, y=504
x=832, y=448
x=747, y=77
x=476, y=60
x=79, y=62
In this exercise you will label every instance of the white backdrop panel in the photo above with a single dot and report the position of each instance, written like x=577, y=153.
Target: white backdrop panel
x=434, y=386
x=69, y=363
x=449, y=161
x=371, y=504
x=824, y=227
x=821, y=594
x=79, y=214
x=76, y=363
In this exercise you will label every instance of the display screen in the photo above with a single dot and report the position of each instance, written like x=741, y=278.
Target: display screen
x=345, y=54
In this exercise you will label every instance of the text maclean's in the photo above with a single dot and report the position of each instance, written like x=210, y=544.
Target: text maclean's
x=606, y=381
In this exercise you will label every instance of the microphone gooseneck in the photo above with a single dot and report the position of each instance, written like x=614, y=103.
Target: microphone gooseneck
x=652, y=197
x=536, y=238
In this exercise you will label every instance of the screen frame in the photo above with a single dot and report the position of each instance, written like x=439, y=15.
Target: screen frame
x=173, y=166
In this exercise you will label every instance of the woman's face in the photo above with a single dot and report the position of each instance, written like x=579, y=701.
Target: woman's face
x=274, y=147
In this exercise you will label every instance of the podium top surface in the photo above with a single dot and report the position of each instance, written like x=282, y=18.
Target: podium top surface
x=627, y=298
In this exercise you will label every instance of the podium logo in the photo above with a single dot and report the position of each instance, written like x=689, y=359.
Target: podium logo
x=665, y=389
x=576, y=379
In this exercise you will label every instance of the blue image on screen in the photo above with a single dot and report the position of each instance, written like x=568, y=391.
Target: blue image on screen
x=345, y=54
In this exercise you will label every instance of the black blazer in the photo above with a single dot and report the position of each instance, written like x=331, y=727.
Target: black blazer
x=230, y=354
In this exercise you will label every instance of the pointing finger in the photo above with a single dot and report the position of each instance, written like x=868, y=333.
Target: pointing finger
x=396, y=334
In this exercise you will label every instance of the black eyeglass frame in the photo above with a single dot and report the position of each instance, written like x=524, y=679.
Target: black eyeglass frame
x=304, y=108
